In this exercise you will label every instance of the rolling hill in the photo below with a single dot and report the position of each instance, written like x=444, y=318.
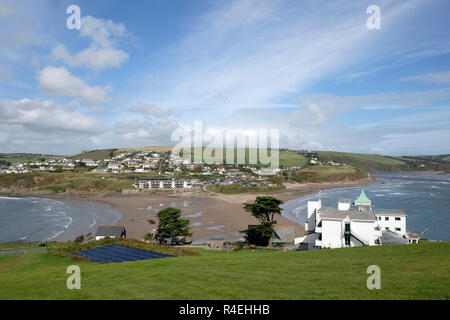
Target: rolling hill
x=378, y=163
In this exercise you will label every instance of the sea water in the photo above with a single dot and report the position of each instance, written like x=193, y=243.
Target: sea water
x=425, y=198
x=39, y=219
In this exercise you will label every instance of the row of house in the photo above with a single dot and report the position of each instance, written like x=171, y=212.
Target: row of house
x=166, y=183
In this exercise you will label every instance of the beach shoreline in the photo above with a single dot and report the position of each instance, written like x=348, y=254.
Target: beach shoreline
x=210, y=214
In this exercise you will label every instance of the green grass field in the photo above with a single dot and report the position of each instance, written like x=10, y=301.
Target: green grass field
x=368, y=162
x=95, y=154
x=407, y=272
x=329, y=174
x=66, y=181
x=148, y=148
x=292, y=159
x=24, y=157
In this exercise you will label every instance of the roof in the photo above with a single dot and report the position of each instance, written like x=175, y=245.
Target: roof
x=353, y=214
x=390, y=212
x=110, y=231
x=363, y=199
x=390, y=237
x=413, y=235
x=283, y=234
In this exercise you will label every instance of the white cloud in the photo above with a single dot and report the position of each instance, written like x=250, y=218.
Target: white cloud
x=92, y=57
x=60, y=82
x=45, y=115
x=44, y=126
x=435, y=78
x=149, y=109
x=101, y=53
x=103, y=32
x=143, y=133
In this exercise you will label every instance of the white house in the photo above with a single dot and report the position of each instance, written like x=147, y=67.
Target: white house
x=352, y=225
x=110, y=232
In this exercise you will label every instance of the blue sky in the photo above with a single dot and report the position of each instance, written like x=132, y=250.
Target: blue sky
x=138, y=70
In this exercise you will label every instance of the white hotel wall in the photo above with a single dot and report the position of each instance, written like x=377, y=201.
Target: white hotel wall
x=392, y=223
x=332, y=234
x=364, y=230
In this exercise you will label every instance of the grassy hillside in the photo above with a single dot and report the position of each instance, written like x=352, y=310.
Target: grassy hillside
x=95, y=154
x=66, y=181
x=292, y=159
x=25, y=157
x=407, y=272
x=329, y=174
x=368, y=162
x=374, y=162
x=154, y=148
x=436, y=158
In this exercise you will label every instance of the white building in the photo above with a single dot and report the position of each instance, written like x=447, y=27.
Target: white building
x=163, y=183
x=350, y=226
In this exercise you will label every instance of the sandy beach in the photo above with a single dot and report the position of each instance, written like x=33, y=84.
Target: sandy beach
x=210, y=214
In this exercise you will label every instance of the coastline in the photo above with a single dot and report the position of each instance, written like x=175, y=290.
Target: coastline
x=211, y=214
x=414, y=172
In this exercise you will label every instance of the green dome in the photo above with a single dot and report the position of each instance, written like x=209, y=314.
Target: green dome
x=363, y=200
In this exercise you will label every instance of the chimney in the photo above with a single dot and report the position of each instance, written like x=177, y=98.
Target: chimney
x=344, y=204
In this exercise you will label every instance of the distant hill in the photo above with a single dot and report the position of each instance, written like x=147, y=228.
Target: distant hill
x=329, y=174
x=94, y=154
x=378, y=163
x=25, y=157
x=438, y=158
x=151, y=148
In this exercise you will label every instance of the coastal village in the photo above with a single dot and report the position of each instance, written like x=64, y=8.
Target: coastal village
x=163, y=166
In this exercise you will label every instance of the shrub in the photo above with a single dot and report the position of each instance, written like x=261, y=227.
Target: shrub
x=79, y=239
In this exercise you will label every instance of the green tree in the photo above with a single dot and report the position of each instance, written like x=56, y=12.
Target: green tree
x=171, y=224
x=259, y=235
x=264, y=209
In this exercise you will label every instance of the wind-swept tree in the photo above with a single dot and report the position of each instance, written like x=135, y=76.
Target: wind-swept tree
x=264, y=209
x=171, y=224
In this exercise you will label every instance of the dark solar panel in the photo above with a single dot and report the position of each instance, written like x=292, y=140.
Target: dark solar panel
x=116, y=253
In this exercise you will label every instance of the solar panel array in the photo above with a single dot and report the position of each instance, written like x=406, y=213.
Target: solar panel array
x=116, y=253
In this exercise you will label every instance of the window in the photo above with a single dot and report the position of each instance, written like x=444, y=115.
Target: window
x=386, y=218
x=387, y=228
x=398, y=229
x=379, y=218
x=398, y=218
